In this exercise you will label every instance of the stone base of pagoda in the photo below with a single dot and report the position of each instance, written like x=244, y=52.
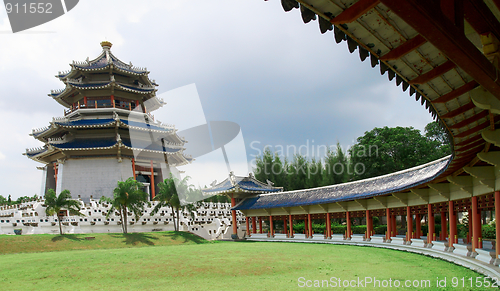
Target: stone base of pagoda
x=92, y=177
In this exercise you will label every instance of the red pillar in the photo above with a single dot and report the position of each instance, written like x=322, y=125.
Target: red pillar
x=309, y=221
x=113, y=100
x=233, y=213
x=328, y=225
x=497, y=225
x=394, y=226
x=442, y=235
x=133, y=168
x=254, y=225
x=348, y=221
x=418, y=227
x=284, y=226
x=389, y=220
x=55, y=175
x=409, y=224
x=476, y=226
x=453, y=224
x=271, y=226
x=153, y=183
x=84, y=100
x=260, y=225
x=430, y=234
x=290, y=225
x=369, y=224
x=248, y=226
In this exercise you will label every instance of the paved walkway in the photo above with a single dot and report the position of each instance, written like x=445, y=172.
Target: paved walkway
x=488, y=270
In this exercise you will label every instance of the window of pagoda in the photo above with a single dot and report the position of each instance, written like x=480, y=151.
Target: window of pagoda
x=99, y=102
x=124, y=103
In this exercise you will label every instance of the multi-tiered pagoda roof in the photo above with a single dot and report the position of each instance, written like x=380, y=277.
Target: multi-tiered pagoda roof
x=108, y=115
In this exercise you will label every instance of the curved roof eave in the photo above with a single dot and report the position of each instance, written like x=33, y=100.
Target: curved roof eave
x=367, y=188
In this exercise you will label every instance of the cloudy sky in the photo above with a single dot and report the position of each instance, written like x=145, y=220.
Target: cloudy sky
x=251, y=63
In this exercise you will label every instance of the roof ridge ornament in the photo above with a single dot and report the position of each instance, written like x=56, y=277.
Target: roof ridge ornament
x=232, y=178
x=106, y=45
x=269, y=182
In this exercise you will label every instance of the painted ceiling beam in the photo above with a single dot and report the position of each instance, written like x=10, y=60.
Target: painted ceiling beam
x=427, y=19
x=404, y=49
x=355, y=11
x=477, y=128
x=434, y=73
x=457, y=92
x=469, y=120
x=471, y=146
x=469, y=141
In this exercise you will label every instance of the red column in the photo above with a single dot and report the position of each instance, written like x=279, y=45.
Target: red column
x=55, y=175
x=394, y=226
x=271, y=226
x=254, y=225
x=328, y=225
x=284, y=226
x=291, y=225
x=348, y=221
x=248, y=226
x=418, y=227
x=497, y=224
x=113, y=100
x=389, y=220
x=430, y=234
x=476, y=226
x=453, y=224
x=233, y=213
x=442, y=235
x=409, y=224
x=133, y=168
x=85, y=100
x=153, y=183
x=309, y=221
x=260, y=225
x=369, y=224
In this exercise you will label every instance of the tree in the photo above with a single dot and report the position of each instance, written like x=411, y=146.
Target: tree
x=387, y=150
x=62, y=202
x=168, y=196
x=439, y=137
x=336, y=165
x=3, y=200
x=127, y=196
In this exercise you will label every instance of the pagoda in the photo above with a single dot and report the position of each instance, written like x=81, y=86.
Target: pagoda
x=107, y=133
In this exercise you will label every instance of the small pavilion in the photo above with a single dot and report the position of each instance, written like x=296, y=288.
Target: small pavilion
x=238, y=188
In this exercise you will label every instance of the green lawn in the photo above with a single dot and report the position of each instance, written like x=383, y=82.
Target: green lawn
x=175, y=261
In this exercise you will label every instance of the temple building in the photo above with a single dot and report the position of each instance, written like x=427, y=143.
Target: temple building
x=238, y=188
x=107, y=133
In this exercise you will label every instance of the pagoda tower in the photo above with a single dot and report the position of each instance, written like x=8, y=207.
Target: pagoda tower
x=107, y=133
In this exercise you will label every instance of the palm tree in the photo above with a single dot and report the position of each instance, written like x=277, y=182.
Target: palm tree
x=128, y=195
x=168, y=196
x=62, y=202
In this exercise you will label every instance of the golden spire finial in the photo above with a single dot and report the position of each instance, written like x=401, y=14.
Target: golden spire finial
x=106, y=44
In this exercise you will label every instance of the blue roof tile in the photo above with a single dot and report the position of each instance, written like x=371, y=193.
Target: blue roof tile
x=87, y=143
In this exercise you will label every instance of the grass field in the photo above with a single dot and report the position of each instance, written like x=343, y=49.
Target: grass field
x=180, y=261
